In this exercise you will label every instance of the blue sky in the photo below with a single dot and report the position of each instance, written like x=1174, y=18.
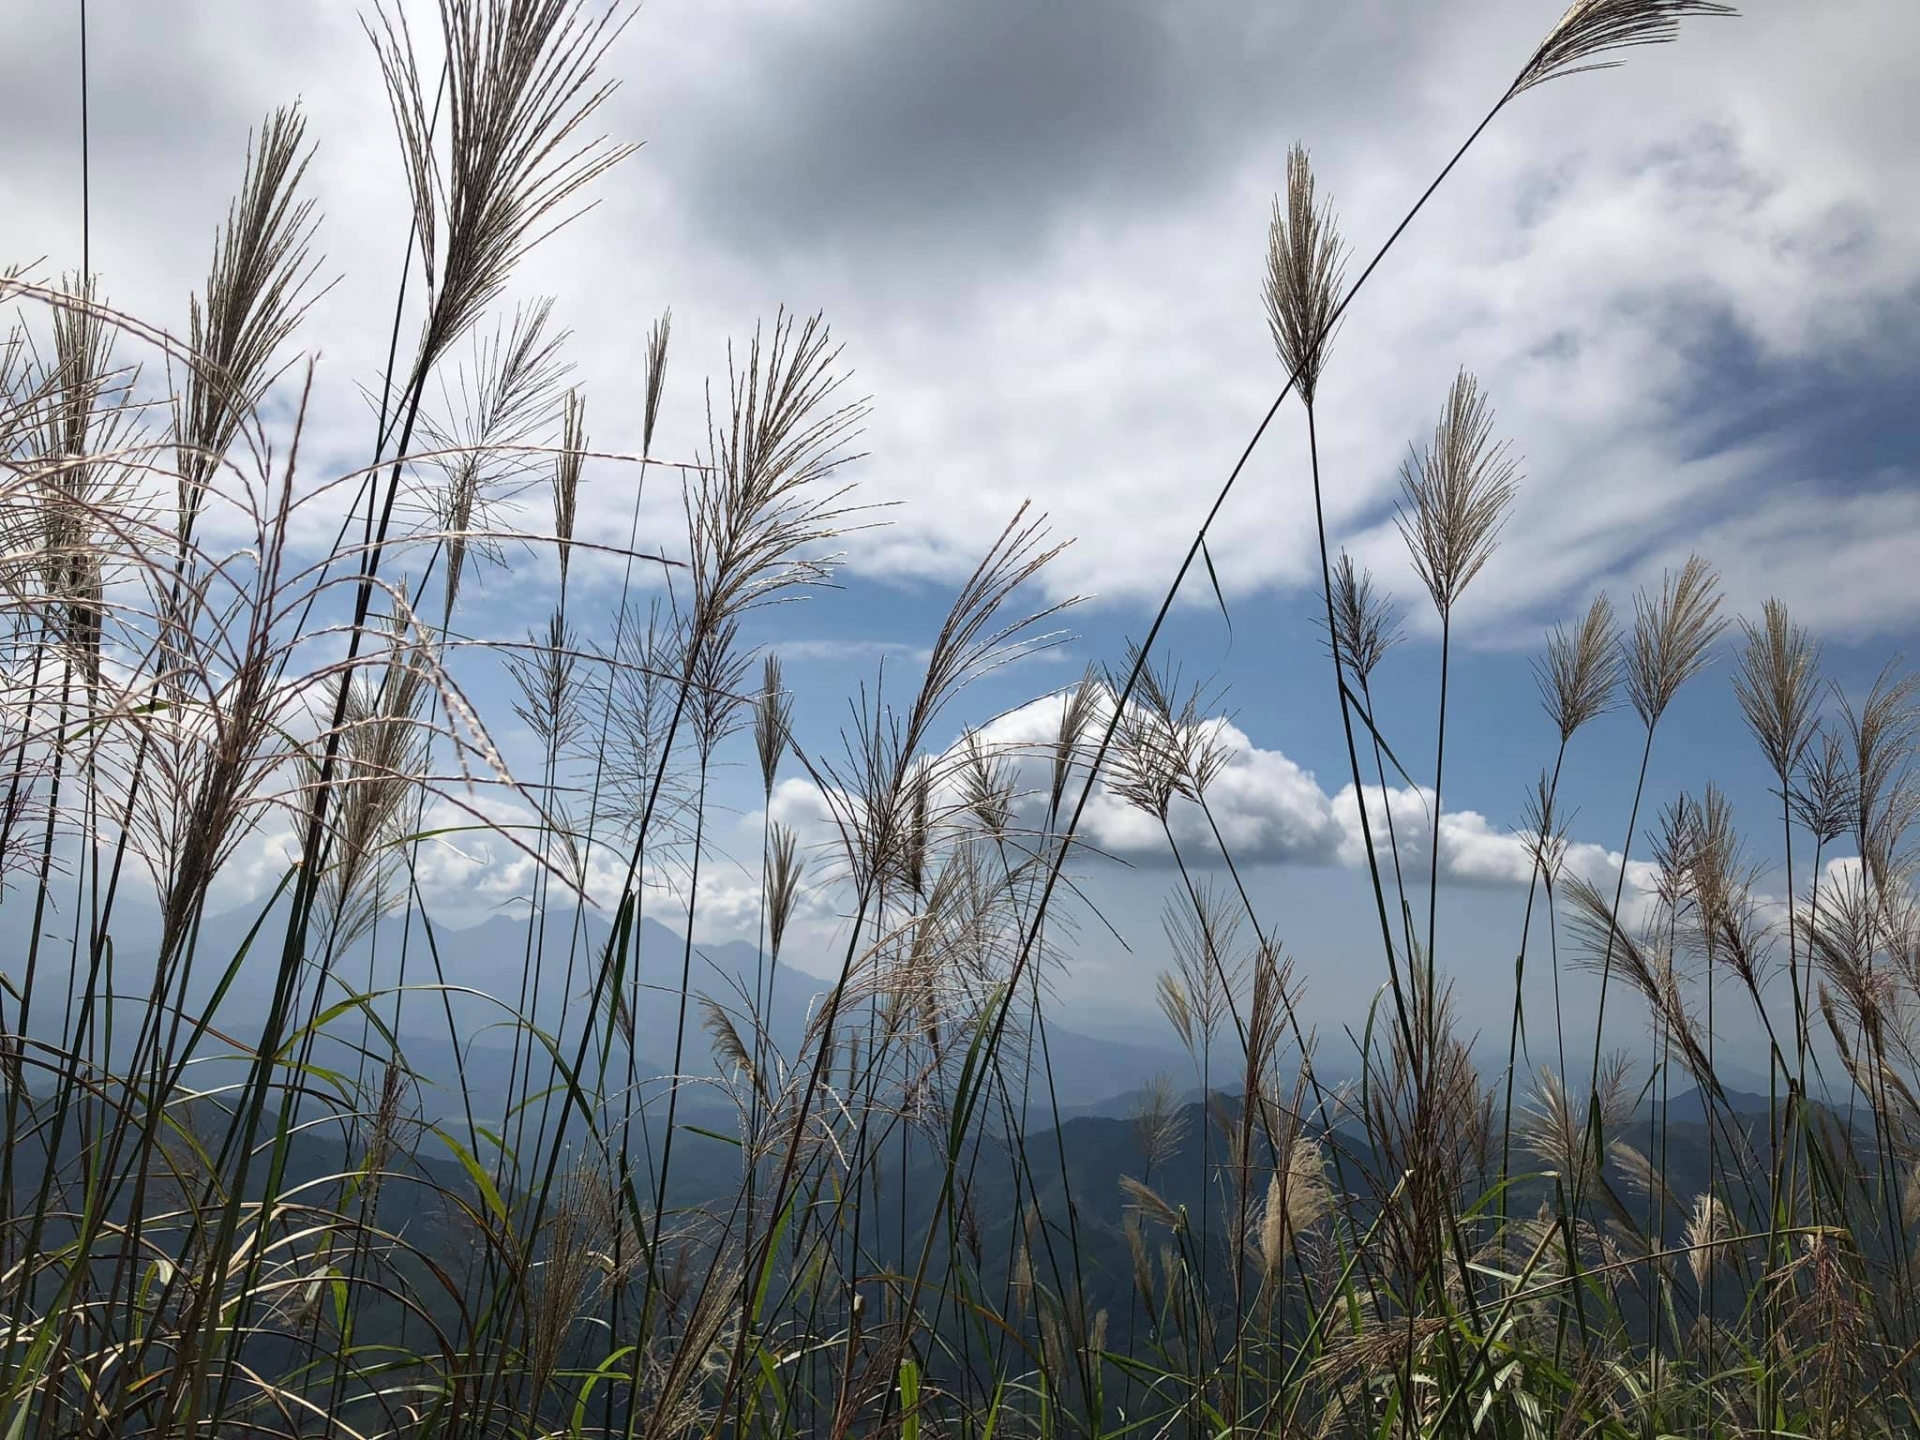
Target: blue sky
x=1689, y=288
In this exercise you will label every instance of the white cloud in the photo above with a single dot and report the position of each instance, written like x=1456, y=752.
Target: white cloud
x=1269, y=810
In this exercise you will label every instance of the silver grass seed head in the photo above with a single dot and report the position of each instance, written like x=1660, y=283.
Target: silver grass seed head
x=257, y=291
x=1075, y=715
x=1592, y=29
x=519, y=85
x=1366, y=624
x=1709, y=1233
x=1306, y=262
x=784, y=869
x=1777, y=684
x=1545, y=831
x=1159, y=1123
x=772, y=719
x=1456, y=494
x=1581, y=671
x=1822, y=792
x=566, y=475
x=656, y=376
x=1673, y=633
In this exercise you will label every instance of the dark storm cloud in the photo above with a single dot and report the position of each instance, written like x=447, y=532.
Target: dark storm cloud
x=986, y=123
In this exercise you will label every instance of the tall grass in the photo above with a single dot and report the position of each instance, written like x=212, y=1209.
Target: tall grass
x=262, y=1219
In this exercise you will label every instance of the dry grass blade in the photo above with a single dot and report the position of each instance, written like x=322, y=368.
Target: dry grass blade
x=1305, y=263
x=1593, y=29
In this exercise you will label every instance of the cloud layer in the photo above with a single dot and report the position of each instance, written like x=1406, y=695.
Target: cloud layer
x=1686, y=284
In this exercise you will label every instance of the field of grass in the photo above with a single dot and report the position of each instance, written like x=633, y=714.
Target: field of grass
x=286, y=1173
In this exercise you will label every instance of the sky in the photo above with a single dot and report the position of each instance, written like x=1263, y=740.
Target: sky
x=1688, y=286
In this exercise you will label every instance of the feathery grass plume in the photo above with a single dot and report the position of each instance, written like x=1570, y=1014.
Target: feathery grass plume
x=717, y=676
x=637, y=708
x=987, y=784
x=1581, y=671
x=256, y=295
x=658, y=334
x=1843, y=941
x=520, y=84
x=1075, y=715
x=504, y=405
x=772, y=722
x=382, y=749
x=728, y=1048
x=1672, y=633
x=1910, y=1205
x=1640, y=1175
x=1145, y=763
x=566, y=475
x=1365, y=625
x=569, y=1270
x=1158, y=1121
x=1170, y=992
x=1823, y=794
x=1545, y=832
x=756, y=511
x=1708, y=1234
x=1676, y=842
x=919, y=835
x=1591, y=29
x=973, y=640
x=1883, y=734
x=1455, y=495
x=1272, y=999
x=783, y=883
x=1141, y=1263
x=1297, y=1199
x=1719, y=878
x=1305, y=263
x=1606, y=947
x=543, y=673
x=1202, y=924
x=1165, y=745
x=1148, y=1202
x=1776, y=685
x=1552, y=1127
x=73, y=491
